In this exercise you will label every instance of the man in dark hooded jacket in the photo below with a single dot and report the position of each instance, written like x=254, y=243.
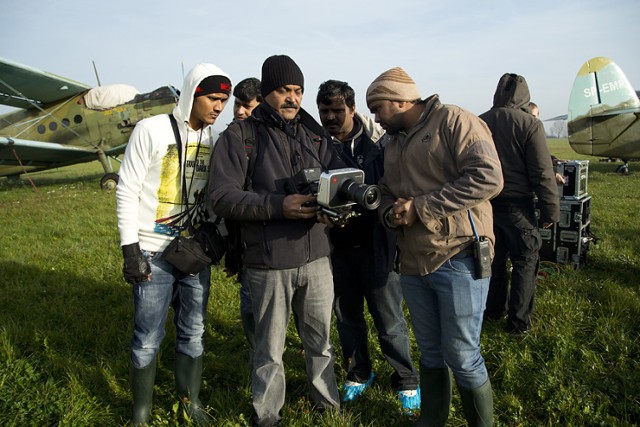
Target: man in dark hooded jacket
x=527, y=171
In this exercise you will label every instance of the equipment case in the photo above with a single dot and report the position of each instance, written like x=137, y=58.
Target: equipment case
x=567, y=241
x=576, y=179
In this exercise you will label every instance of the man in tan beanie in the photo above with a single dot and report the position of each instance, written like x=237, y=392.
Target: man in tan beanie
x=441, y=169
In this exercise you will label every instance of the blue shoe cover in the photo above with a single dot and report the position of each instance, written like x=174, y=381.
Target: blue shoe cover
x=410, y=400
x=352, y=390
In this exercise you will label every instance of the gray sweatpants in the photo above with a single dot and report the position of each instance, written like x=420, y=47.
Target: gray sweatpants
x=308, y=291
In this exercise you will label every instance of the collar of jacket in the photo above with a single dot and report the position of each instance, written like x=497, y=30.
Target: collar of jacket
x=269, y=116
x=430, y=104
x=266, y=114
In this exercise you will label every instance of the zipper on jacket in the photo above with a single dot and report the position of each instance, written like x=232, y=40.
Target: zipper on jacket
x=265, y=242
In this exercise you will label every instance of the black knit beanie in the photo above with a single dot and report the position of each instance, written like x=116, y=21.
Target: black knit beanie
x=280, y=70
x=213, y=84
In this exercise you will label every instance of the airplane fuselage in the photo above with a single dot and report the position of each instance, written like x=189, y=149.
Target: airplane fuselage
x=607, y=136
x=71, y=123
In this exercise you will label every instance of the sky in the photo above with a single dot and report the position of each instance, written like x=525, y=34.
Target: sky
x=457, y=49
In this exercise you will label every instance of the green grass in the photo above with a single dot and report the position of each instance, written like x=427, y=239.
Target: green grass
x=65, y=324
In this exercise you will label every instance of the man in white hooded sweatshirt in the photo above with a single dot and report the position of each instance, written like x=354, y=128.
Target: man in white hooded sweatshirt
x=160, y=189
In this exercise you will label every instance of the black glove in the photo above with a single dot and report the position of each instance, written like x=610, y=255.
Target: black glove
x=136, y=267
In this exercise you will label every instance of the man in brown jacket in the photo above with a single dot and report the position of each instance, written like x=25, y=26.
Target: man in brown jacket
x=441, y=169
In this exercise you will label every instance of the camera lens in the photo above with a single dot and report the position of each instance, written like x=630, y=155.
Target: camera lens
x=372, y=197
x=367, y=196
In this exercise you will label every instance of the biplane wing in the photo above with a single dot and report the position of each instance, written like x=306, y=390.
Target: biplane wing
x=21, y=85
x=20, y=155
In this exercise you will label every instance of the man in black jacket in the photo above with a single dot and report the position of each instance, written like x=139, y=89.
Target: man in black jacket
x=522, y=148
x=363, y=258
x=285, y=243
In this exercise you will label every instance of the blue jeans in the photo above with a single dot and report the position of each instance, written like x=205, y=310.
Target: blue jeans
x=446, y=309
x=356, y=278
x=187, y=294
x=306, y=291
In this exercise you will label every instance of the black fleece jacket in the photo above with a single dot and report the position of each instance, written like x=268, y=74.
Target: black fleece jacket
x=283, y=148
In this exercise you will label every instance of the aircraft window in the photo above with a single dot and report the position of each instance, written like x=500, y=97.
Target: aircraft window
x=41, y=129
x=77, y=119
x=53, y=126
x=65, y=122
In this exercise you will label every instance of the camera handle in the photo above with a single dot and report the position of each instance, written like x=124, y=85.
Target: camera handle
x=339, y=217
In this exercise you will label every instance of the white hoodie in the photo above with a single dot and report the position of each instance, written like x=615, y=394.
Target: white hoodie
x=149, y=201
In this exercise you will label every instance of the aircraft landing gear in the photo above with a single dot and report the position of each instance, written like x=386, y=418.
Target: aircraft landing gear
x=109, y=181
x=623, y=168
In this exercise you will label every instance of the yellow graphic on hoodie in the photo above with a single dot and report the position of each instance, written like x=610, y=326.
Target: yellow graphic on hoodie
x=171, y=213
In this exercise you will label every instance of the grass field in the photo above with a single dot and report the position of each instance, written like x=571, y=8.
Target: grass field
x=65, y=324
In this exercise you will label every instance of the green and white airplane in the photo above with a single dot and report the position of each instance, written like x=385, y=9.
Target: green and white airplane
x=604, y=113
x=61, y=122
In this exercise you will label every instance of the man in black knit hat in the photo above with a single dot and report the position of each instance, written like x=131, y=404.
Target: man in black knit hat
x=285, y=241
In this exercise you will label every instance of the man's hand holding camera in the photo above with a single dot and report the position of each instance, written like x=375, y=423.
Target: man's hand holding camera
x=304, y=206
x=299, y=206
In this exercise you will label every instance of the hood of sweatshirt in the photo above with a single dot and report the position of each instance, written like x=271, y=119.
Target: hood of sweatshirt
x=512, y=92
x=370, y=127
x=182, y=111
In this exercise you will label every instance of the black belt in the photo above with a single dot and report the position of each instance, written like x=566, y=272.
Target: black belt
x=464, y=253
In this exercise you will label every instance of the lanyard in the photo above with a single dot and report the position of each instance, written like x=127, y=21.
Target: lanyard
x=183, y=173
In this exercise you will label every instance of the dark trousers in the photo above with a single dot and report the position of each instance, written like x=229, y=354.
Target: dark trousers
x=356, y=278
x=517, y=239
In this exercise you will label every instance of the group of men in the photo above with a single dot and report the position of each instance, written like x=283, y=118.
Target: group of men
x=439, y=172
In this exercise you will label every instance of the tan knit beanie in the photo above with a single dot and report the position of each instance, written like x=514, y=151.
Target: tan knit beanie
x=393, y=85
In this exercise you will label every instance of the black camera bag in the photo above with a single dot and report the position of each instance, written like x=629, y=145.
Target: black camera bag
x=207, y=246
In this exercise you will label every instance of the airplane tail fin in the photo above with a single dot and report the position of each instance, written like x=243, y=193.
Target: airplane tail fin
x=600, y=89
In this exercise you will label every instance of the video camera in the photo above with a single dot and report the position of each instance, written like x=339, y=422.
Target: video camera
x=337, y=190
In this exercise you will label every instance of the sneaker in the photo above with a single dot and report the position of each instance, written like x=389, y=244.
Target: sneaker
x=352, y=390
x=410, y=400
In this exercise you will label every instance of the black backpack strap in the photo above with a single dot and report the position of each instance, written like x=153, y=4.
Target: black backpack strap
x=248, y=129
x=233, y=257
x=176, y=134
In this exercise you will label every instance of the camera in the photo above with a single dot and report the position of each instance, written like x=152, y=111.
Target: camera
x=338, y=190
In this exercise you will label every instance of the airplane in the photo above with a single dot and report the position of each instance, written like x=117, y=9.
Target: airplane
x=604, y=113
x=60, y=122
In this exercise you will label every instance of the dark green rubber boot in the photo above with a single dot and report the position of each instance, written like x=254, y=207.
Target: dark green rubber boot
x=142, y=381
x=435, y=389
x=478, y=405
x=188, y=379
